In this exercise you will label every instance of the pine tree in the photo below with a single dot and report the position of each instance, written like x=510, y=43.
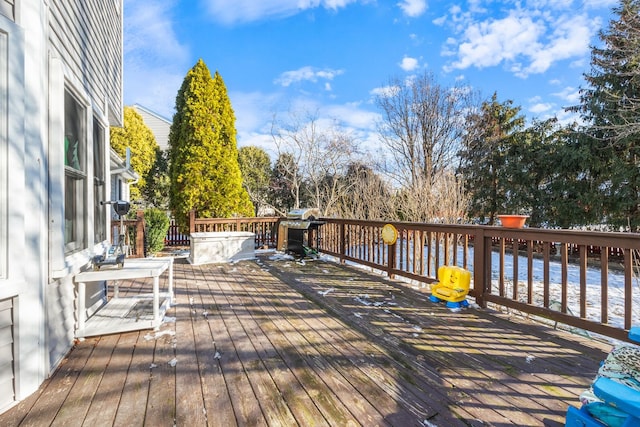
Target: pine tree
x=611, y=106
x=612, y=100
x=138, y=137
x=491, y=133
x=204, y=170
x=255, y=165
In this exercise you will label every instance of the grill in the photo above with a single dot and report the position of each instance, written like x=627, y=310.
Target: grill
x=298, y=231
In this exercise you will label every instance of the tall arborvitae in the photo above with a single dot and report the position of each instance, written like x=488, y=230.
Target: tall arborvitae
x=138, y=137
x=611, y=106
x=204, y=169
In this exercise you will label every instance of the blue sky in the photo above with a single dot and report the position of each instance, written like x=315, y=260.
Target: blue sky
x=331, y=57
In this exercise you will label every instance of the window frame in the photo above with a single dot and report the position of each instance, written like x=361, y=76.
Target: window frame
x=99, y=181
x=75, y=172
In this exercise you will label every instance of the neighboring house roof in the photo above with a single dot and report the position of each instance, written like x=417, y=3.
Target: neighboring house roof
x=158, y=124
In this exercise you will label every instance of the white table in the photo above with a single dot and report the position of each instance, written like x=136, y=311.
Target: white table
x=113, y=316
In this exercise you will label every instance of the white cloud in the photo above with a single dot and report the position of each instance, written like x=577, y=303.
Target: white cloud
x=570, y=38
x=155, y=61
x=526, y=41
x=306, y=73
x=491, y=42
x=352, y=116
x=568, y=117
x=154, y=88
x=540, y=108
x=149, y=34
x=385, y=91
x=239, y=11
x=250, y=107
x=570, y=94
x=408, y=64
x=413, y=8
x=598, y=4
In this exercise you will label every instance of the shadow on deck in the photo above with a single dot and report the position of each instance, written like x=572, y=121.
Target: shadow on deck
x=274, y=342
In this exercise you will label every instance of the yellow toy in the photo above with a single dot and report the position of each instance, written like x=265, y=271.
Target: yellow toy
x=453, y=286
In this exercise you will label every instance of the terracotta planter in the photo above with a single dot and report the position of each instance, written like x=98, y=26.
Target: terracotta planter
x=513, y=221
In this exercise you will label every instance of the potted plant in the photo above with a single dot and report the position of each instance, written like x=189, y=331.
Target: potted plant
x=513, y=220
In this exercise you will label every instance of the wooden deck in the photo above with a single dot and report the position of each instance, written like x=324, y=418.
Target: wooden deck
x=274, y=342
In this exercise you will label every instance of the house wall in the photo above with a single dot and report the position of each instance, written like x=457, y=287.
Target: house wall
x=158, y=125
x=88, y=35
x=85, y=50
x=7, y=8
x=51, y=46
x=25, y=332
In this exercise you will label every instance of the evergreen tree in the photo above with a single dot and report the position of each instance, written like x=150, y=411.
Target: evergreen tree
x=286, y=186
x=490, y=133
x=611, y=106
x=255, y=165
x=138, y=137
x=204, y=170
x=156, y=192
x=573, y=196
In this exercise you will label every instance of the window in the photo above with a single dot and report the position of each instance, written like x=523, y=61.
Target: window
x=99, y=219
x=75, y=175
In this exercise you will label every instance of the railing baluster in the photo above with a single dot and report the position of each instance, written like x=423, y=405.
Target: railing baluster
x=583, y=281
x=530, y=245
x=515, y=249
x=564, y=248
x=604, y=285
x=546, y=274
x=628, y=288
x=501, y=268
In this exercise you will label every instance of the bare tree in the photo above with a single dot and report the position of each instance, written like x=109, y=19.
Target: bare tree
x=368, y=196
x=421, y=129
x=320, y=156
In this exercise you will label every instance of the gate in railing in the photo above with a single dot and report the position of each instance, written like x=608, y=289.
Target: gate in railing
x=174, y=236
x=582, y=279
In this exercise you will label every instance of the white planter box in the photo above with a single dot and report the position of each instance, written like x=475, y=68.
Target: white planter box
x=224, y=246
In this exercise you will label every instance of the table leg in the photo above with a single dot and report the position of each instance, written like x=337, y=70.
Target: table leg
x=170, y=282
x=81, y=309
x=156, y=302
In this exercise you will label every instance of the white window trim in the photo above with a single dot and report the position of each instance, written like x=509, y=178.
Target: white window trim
x=4, y=153
x=103, y=121
x=60, y=263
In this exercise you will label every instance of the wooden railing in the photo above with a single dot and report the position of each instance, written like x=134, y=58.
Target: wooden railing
x=581, y=279
x=265, y=228
x=135, y=234
x=175, y=237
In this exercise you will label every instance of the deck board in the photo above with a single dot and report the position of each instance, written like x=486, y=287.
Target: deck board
x=275, y=342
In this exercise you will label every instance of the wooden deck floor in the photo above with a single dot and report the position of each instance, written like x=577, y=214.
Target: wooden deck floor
x=274, y=342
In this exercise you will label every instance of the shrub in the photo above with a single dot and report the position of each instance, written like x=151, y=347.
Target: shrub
x=156, y=226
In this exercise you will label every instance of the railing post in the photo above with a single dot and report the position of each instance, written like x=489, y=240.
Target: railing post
x=140, y=234
x=192, y=221
x=481, y=267
x=391, y=260
x=342, y=242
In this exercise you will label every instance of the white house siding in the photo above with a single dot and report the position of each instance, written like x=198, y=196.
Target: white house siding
x=158, y=125
x=51, y=46
x=7, y=8
x=89, y=35
x=86, y=36
x=13, y=254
